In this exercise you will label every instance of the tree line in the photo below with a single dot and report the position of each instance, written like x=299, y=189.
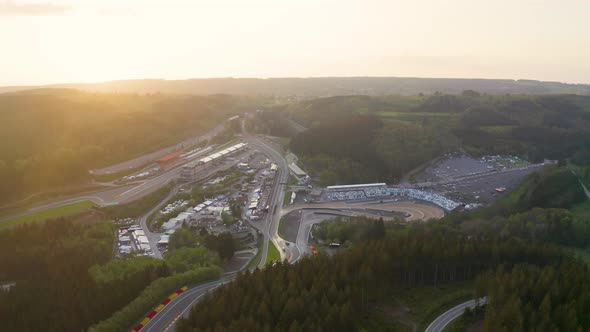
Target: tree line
x=335, y=293
x=533, y=298
x=65, y=279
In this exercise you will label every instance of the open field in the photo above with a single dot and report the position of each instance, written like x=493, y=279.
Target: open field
x=55, y=212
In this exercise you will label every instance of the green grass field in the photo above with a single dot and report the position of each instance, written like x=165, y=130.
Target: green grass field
x=55, y=212
x=282, y=227
x=273, y=254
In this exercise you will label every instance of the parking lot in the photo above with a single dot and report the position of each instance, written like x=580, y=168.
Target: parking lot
x=456, y=167
x=483, y=189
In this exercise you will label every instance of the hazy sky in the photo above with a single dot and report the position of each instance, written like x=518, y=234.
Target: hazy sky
x=85, y=40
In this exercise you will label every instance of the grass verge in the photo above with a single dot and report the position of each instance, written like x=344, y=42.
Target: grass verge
x=134, y=312
x=287, y=198
x=56, y=212
x=273, y=254
x=256, y=259
x=292, y=180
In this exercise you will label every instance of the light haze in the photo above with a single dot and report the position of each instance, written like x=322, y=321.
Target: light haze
x=86, y=41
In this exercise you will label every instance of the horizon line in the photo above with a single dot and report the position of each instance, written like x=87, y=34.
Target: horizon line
x=49, y=85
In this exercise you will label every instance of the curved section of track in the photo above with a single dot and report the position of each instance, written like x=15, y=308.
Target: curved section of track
x=416, y=211
x=439, y=324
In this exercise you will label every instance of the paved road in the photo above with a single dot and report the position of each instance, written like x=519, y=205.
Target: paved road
x=297, y=126
x=126, y=193
x=416, y=211
x=150, y=157
x=269, y=227
x=166, y=319
x=180, y=306
x=100, y=198
x=155, y=237
x=586, y=191
x=439, y=324
x=308, y=219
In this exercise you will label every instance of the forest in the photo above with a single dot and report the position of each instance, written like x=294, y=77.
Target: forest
x=49, y=139
x=355, y=139
x=64, y=278
x=533, y=298
x=336, y=293
x=349, y=230
x=223, y=244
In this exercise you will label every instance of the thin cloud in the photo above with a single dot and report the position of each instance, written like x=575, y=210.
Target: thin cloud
x=10, y=8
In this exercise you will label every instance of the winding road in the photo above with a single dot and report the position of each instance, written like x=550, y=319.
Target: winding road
x=439, y=324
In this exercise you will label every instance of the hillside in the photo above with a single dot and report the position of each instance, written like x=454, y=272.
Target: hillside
x=325, y=86
x=363, y=138
x=50, y=138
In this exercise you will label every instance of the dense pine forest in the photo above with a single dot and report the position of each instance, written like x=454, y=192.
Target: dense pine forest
x=336, y=293
x=533, y=298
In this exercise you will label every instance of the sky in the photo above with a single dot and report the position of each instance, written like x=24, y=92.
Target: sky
x=62, y=41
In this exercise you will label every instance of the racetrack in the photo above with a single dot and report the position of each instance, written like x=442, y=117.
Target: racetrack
x=416, y=211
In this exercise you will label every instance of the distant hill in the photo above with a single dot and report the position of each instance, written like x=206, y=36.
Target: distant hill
x=325, y=86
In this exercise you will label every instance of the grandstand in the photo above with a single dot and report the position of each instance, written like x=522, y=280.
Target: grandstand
x=427, y=196
x=354, y=191
x=380, y=190
x=356, y=186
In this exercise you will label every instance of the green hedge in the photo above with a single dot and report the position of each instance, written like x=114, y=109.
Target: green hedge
x=156, y=292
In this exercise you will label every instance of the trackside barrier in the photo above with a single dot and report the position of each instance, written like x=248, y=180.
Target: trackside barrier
x=159, y=308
